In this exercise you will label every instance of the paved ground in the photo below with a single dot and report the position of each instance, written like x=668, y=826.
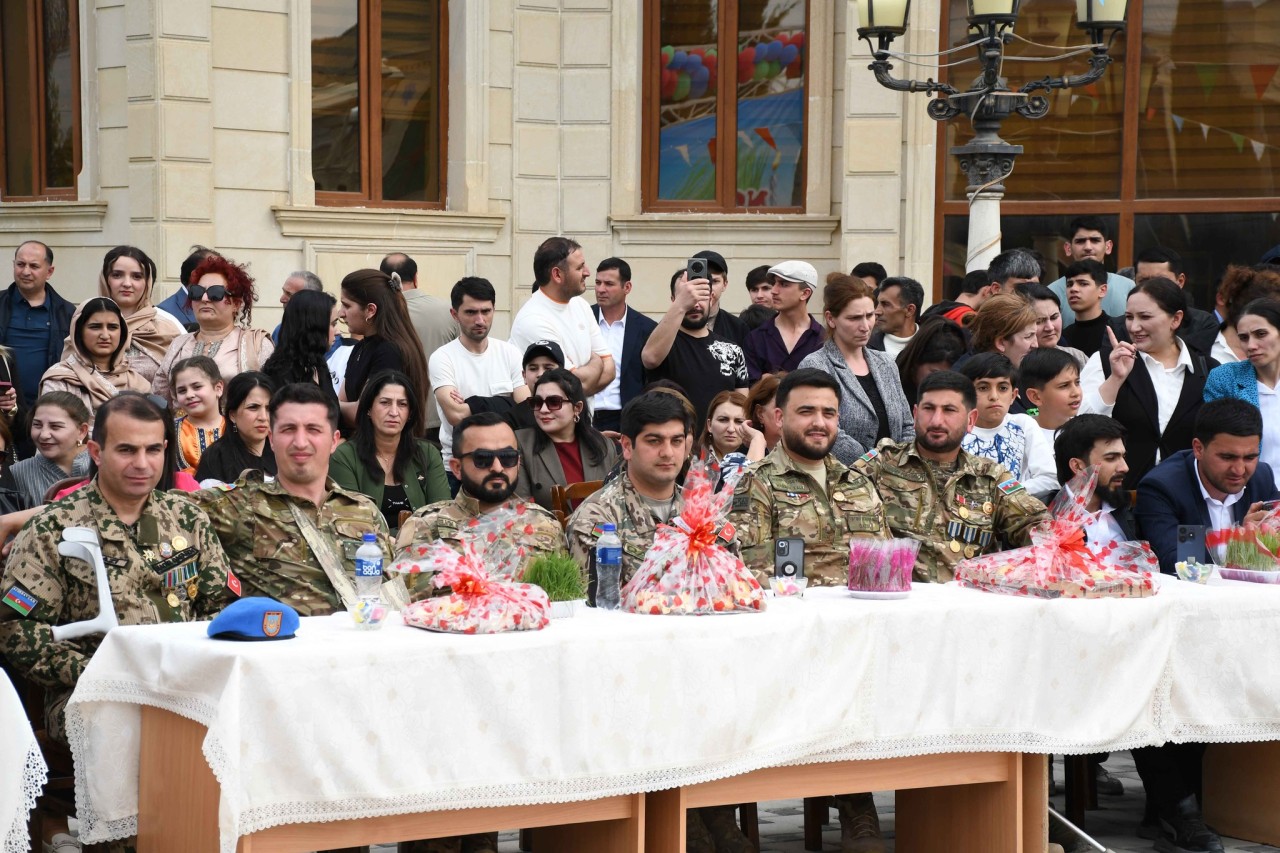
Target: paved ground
x=782, y=822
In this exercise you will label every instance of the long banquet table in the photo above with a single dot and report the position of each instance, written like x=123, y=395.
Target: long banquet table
x=340, y=725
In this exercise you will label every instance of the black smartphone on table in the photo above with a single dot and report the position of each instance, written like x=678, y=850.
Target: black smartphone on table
x=788, y=558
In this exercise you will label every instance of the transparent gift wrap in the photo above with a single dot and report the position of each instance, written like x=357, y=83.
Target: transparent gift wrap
x=881, y=568
x=690, y=569
x=1059, y=563
x=484, y=597
x=1248, y=553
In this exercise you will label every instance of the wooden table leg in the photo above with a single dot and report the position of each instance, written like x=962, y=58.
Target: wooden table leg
x=1035, y=803
x=980, y=818
x=177, y=792
x=625, y=835
x=1239, y=790
x=664, y=821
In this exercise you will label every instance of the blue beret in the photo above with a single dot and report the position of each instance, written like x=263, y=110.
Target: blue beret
x=255, y=618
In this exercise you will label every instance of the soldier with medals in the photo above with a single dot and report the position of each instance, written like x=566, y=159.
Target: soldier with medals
x=163, y=561
x=294, y=539
x=957, y=505
x=801, y=489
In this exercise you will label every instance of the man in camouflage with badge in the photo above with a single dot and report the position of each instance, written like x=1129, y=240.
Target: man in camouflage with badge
x=656, y=432
x=485, y=460
x=295, y=539
x=486, y=467
x=801, y=490
x=957, y=505
x=163, y=562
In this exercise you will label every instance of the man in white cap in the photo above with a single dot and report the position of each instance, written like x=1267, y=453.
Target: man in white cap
x=781, y=342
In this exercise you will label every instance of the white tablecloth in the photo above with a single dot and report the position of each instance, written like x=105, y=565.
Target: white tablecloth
x=341, y=724
x=22, y=771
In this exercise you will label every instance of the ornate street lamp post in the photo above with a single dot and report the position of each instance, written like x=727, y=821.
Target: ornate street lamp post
x=987, y=160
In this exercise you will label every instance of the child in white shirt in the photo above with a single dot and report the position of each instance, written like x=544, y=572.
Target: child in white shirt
x=1015, y=441
x=1050, y=378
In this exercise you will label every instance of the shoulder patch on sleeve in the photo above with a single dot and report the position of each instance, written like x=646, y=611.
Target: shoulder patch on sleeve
x=20, y=599
x=1010, y=486
x=869, y=455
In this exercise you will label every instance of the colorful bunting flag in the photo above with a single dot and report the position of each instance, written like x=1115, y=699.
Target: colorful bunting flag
x=1258, y=148
x=1177, y=121
x=1237, y=139
x=1262, y=75
x=1208, y=74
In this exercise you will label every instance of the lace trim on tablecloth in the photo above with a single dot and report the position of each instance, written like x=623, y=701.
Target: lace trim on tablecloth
x=34, y=774
x=92, y=828
x=814, y=751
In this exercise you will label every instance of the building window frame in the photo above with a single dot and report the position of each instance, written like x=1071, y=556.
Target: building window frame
x=1127, y=207
x=39, y=120
x=370, y=108
x=725, y=201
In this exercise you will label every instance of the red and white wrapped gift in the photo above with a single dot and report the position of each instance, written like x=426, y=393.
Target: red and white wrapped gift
x=689, y=570
x=1059, y=564
x=478, y=604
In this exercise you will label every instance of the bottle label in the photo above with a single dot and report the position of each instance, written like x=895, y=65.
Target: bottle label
x=366, y=568
x=609, y=555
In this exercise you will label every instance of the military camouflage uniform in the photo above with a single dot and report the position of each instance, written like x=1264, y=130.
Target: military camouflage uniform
x=268, y=552
x=956, y=511
x=618, y=503
x=445, y=519
x=168, y=567
x=776, y=499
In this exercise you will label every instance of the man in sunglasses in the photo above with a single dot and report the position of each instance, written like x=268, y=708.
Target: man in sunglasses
x=485, y=461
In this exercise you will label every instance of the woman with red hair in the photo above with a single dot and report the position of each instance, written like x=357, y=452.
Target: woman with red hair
x=222, y=294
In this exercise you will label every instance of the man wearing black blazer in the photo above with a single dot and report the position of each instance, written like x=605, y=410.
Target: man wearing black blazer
x=1218, y=483
x=625, y=330
x=1097, y=441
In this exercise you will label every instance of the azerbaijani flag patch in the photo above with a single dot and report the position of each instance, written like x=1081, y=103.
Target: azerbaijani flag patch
x=869, y=455
x=1010, y=486
x=20, y=600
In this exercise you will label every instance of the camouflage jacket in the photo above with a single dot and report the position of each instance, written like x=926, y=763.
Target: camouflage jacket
x=617, y=503
x=268, y=552
x=540, y=533
x=169, y=568
x=775, y=499
x=979, y=507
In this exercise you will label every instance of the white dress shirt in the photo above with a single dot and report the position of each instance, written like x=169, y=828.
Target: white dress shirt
x=610, y=398
x=1166, y=381
x=1104, y=529
x=1219, y=510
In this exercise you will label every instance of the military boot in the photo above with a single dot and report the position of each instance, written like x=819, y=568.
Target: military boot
x=483, y=842
x=696, y=837
x=728, y=836
x=859, y=824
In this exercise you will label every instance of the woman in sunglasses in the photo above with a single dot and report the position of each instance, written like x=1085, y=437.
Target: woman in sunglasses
x=386, y=459
x=127, y=278
x=98, y=367
x=563, y=448
x=223, y=296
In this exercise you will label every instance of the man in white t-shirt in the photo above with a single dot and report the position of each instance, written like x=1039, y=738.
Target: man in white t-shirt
x=557, y=312
x=473, y=364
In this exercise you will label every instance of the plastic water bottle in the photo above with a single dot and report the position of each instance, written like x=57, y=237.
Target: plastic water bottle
x=608, y=569
x=369, y=609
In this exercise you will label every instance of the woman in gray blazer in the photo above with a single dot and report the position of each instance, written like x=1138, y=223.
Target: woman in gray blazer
x=872, y=403
x=563, y=448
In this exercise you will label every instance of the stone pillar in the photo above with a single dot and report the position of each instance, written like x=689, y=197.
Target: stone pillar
x=170, y=144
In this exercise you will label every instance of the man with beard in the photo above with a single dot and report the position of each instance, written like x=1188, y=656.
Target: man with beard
x=485, y=461
x=683, y=350
x=800, y=489
x=955, y=504
x=294, y=538
x=1097, y=441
